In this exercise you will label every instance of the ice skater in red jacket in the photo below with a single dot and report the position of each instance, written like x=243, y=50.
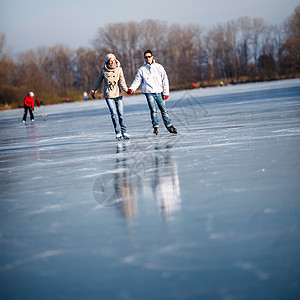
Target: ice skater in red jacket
x=29, y=105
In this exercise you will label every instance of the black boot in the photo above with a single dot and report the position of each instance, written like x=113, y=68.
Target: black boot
x=172, y=129
x=155, y=130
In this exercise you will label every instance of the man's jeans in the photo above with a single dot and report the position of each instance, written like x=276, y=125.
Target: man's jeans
x=155, y=100
x=115, y=106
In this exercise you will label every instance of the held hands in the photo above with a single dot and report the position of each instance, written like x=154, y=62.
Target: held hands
x=165, y=97
x=93, y=94
x=130, y=92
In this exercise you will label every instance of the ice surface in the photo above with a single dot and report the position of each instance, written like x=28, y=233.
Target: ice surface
x=210, y=213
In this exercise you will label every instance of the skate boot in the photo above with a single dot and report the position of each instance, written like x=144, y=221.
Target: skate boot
x=126, y=136
x=172, y=129
x=155, y=130
x=119, y=136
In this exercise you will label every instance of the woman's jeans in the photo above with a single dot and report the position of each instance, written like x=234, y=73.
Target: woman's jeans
x=115, y=106
x=155, y=100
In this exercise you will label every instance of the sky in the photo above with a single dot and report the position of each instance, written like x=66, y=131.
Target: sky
x=32, y=23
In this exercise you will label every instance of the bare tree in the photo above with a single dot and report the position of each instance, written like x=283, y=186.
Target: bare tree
x=28, y=72
x=61, y=66
x=223, y=48
x=291, y=48
x=292, y=25
x=245, y=27
x=6, y=63
x=200, y=57
x=84, y=68
x=181, y=53
x=122, y=39
x=258, y=30
x=153, y=36
x=2, y=42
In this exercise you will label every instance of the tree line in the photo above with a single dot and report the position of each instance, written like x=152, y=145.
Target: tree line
x=246, y=49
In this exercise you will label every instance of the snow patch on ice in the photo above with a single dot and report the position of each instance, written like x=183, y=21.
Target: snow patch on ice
x=36, y=257
x=260, y=274
x=130, y=259
x=270, y=210
x=37, y=178
x=57, y=207
x=290, y=130
x=90, y=175
x=48, y=193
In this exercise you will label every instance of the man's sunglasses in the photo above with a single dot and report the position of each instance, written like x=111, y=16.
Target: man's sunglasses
x=147, y=57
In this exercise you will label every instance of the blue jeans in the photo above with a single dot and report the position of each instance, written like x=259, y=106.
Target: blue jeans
x=115, y=106
x=155, y=100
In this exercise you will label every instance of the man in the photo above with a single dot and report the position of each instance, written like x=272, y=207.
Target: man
x=38, y=101
x=28, y=106
x=155, y=86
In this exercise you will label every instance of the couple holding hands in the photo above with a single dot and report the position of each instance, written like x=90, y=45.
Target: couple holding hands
x=155, y=86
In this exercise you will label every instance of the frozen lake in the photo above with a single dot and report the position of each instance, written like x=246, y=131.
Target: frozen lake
x=210, y=213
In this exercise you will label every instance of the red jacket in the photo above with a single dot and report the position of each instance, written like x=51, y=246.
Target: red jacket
x=29, y=102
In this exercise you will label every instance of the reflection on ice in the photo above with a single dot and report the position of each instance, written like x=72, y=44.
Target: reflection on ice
x=165, y=189
x=125, y=184
x=154, y=176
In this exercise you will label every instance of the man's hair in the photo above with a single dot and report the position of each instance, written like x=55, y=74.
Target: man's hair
x=148, y=51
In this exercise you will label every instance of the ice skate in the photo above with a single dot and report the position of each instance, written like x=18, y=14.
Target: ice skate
x=172, y=129
x=155, y=130
x=119, y=136
x=126, y=136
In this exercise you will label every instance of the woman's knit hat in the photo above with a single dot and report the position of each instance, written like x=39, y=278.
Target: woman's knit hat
x=109, y=56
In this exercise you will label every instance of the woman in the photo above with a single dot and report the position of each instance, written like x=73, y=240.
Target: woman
x=114, y=82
